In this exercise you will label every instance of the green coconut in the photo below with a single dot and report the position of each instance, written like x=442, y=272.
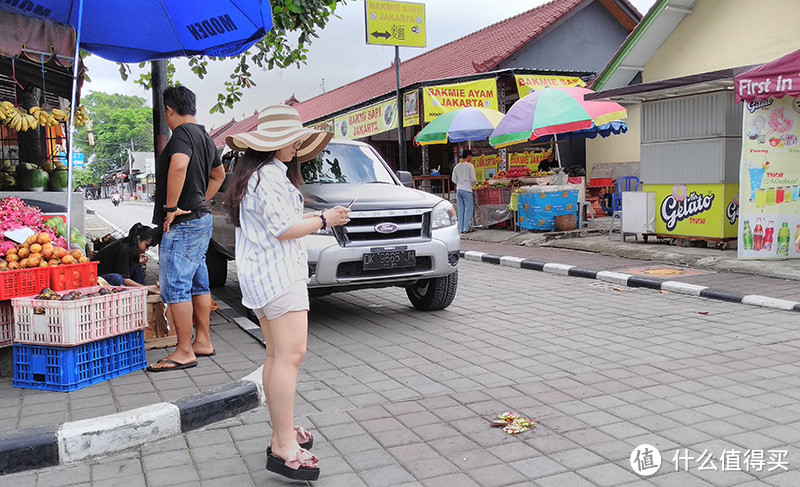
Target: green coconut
x=59, y=180
x=35, y=180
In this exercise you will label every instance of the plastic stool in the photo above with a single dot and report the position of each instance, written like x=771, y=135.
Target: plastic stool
x=583, y=214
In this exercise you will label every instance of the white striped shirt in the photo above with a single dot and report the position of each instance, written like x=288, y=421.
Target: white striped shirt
x=265, y=265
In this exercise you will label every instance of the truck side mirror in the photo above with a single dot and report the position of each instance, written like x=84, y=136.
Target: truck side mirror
x=405, y=178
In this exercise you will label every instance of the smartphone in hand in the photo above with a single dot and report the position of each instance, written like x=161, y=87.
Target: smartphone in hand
x=351, y=203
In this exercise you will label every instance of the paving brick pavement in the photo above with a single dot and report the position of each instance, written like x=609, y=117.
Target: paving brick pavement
x=396, y=397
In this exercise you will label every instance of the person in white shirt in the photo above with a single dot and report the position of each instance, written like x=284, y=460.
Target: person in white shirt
x=464, y=178
x=266, y=208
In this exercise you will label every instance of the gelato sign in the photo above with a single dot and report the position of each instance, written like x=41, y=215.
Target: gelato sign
x=446, y=98
x=696, y=210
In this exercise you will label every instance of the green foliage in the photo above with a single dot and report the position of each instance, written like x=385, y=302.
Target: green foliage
x=82, y=177
x=116, y=121
x=295, y=24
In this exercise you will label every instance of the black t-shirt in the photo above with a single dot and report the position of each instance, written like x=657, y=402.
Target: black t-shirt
x=192, y=140
x=116, y=258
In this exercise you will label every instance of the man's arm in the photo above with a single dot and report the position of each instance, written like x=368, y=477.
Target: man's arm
x=216, y=178
x=178, y=164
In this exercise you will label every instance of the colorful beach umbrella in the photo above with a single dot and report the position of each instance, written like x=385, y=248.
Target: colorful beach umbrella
x=553, y=111
x=607, y=129
x=465, y=124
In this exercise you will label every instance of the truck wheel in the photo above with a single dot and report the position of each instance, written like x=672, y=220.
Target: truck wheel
x=217, y=267
x=433, y=294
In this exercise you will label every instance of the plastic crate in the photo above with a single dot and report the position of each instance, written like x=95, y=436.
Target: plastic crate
x=6, y=324
x=23, y=282
x=68, y=369
x=73, y=276
x=483, y=196
x=495, y=196
x=600, y=182
x=505, y=195
x=68, y=323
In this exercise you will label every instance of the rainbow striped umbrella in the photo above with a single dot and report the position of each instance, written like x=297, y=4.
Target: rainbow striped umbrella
x=465, y=124
x=553, y=111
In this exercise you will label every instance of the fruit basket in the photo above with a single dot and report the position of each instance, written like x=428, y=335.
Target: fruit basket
x=75, y=321
x=73, y=276
x=68, y=369
x=23, y=282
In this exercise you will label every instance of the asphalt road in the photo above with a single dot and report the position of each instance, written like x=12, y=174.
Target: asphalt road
x=397, y=397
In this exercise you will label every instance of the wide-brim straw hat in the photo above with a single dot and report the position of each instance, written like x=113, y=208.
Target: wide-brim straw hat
x=279, y=126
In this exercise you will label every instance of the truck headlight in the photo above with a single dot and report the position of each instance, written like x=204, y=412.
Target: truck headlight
x=443, y=215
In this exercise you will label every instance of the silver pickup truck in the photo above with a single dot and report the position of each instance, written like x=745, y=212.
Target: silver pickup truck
x=397, y=236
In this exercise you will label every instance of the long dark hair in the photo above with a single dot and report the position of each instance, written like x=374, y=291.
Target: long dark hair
x=141, y=233
x=247, y=164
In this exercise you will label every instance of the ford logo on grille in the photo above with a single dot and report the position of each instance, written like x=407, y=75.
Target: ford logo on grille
x=386, y=227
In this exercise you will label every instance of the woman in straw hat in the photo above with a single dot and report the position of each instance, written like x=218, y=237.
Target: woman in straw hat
x=266, y=208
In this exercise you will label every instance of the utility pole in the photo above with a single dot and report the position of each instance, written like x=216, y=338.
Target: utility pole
x=130, y=168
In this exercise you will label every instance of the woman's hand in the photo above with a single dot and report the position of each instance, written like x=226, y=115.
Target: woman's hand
x=143, y=258
x=336, y=216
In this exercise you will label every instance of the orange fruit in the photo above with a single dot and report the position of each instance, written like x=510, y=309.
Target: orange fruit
x=23, y=252
x=13, y=265
x=12, y=250
x=59, y=252
x=76, y=254
x=83, y=260
x=31, y=240
x=47, y=251
x=12, y=258
x=43, y=263
x=53, y=262
x=68, y=259
x=23, y=264
x=43, y=238
x=36, y=248
x=33, y=261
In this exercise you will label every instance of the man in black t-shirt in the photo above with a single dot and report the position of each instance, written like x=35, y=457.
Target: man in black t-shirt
x=189, y=173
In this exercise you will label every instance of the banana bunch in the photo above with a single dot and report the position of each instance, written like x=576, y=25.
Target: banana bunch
x=43, y=117
x=7, y=111
x=60, y=115
x=81, y=116
x=22, y=121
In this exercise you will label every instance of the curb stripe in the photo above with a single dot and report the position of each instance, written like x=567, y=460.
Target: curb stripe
x=722, y=295
x=578, y=272
x=637, y=281
x=221, y=403
x=633, y=281
x=29, y=449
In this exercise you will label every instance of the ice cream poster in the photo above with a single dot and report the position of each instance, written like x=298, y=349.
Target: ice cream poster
x=769, y=179
x=696, y=210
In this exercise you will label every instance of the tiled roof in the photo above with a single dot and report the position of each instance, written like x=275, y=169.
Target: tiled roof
x=475, y=53
x=247, y=125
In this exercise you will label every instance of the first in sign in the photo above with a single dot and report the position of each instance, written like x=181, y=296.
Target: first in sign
x=395, y=23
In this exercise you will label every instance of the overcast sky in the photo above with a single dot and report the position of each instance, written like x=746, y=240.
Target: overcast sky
x=338, y=57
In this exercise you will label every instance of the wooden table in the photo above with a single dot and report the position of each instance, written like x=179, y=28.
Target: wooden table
x=444, y=178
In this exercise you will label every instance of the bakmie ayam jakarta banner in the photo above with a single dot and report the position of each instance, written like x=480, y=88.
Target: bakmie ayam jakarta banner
x=446, y=98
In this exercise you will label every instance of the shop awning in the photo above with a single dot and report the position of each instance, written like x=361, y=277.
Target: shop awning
x=685, y=85
x=31, y=36
x=774, y=79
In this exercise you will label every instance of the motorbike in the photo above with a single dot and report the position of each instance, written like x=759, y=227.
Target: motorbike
x=115, y=199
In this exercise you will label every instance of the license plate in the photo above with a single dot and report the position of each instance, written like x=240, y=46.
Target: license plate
x=393, y=259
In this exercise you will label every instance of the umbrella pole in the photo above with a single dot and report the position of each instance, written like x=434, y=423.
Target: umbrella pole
x=71, y=125
x=558, y=155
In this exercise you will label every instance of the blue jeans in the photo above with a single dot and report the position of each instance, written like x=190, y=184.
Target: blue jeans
x=115, y=279
x=464, y=201
x=182, y=271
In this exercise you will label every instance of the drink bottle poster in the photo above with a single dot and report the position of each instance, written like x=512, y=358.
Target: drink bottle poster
x=769, y=179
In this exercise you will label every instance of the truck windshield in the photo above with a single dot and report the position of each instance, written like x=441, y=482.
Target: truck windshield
x=346, y=164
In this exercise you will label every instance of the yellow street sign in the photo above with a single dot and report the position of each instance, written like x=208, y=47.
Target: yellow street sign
x=395, y=23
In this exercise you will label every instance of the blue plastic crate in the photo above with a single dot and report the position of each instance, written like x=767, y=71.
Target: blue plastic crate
x=70, y=368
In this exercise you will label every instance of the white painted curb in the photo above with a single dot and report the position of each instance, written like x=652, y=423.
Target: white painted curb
x=256, y=377
x=555, y=268
x=682, y=288
x=95, y=437
x=511, y=261
x=474, y=255
x=768, y=302
x=613, y=277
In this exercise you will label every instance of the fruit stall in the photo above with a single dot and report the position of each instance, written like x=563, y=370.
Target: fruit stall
x=65, y=331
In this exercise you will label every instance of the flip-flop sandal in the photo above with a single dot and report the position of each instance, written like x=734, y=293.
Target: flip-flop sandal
x=176, y=365
x=302, y=434
x=213, y=352
x=297, y=468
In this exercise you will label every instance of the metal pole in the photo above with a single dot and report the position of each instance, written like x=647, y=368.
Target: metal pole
x=158, y=83
x=401, y=136
x=71, y=126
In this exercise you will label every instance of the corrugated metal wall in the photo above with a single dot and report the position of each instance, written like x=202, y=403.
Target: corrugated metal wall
x=691, y=139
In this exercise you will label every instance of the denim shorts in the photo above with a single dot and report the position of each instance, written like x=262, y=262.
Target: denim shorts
x=182, y=271
x=295, y=298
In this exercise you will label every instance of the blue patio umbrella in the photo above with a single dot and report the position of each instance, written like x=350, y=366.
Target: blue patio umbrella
x=134, y=31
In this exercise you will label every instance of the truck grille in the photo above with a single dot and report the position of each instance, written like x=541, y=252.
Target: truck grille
x=355, y=269
x=400, y=225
